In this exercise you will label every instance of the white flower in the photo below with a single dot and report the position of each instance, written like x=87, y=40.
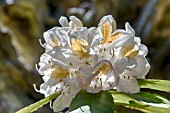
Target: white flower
x=66, y=52
x=57, y=78
x=137, y=67
x=125, y=53
x=77, y=58
x=106, y=70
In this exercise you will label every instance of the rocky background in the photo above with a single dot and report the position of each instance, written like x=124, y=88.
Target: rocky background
x=22, y=23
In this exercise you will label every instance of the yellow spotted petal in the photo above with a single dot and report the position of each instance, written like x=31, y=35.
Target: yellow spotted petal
x=106, y=30
x=79, y=48
x=60, y=72
x=113, y=37
x=128, y=51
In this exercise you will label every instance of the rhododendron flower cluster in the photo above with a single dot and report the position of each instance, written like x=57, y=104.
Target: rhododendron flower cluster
x=91, y=59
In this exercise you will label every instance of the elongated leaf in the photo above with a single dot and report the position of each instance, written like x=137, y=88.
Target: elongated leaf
x=140, y=102
x=148, y=97
x=161, y=85
x=99, y=103
x=39, y=104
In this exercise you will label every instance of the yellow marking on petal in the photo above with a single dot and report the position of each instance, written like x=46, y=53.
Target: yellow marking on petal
x=128, y=51
x=75, y=28
x=60, y=72
x=104, y=69
x=106, y=30
x=114, y=37
x=79, y=48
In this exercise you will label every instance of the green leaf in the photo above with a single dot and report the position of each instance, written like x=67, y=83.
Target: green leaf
x=82, y=109
x=161, y=85
x=101, y=102
x=148, y=97
x=35, y=106
x=142, y=101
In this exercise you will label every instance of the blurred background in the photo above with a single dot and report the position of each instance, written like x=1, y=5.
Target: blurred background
x=22, y=23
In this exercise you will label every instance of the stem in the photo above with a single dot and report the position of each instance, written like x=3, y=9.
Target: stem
x=35, y=106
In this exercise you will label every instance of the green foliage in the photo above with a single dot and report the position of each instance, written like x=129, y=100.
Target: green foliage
x=101, y=102
x=143, y=101
x=161, y=85
x=38, y=104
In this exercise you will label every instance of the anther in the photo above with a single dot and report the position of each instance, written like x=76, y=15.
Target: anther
x=71, y=64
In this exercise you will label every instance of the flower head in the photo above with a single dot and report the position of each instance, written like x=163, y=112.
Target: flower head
x=92, y=59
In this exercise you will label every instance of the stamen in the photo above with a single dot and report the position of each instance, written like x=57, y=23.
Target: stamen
x=81, y=109
x=71, y=64
x=101, y=81
x=97, y=71
x=34, y=85
x=36, y=67
x=134, y=76
x=56, y=89
x=51, y=105
x=110, y=84
x=41, y=43
x=95, y=86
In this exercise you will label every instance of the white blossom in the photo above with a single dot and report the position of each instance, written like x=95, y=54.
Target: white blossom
x=137, y=67
x=92, y=59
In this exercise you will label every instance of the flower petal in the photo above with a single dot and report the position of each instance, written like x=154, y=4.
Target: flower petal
x=62, y=101
x=75, y=22
x=108, y=19
x=129, y=29
x=44, y=88
x=85, y=70
x=97, y=39
x=66, y=97
x=128, y=86
x=121, y=40
x=143, y=50
x=121, y=65
x=142, y=67
x=137, y=40
x=63, y=21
